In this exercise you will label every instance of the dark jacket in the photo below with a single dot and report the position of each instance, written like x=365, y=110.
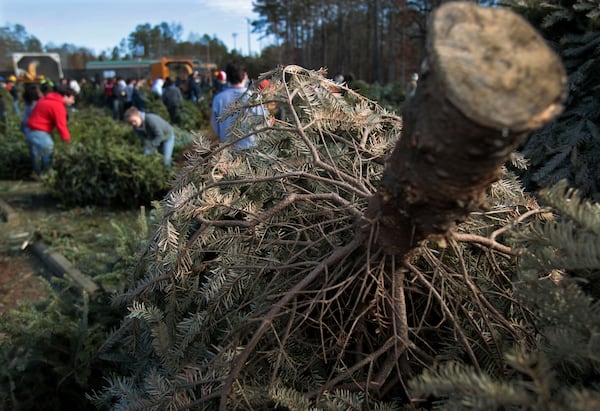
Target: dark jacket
x=194, y=89
x=154, y=130
x=138, y=100
x=172, y=97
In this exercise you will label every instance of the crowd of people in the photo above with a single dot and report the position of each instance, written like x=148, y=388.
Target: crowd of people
x=46, y=109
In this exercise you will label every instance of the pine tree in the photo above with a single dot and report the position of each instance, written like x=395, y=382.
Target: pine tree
x=568, y=148
x=558, y=284
x=559, y=265
x=273, y=278
x=53, y=351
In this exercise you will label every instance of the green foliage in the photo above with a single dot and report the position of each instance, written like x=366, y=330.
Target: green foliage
x=463, y=388
x=390, y=96
x=15, y=38
x=558, y=285
x=48, y=352
x=344, y=36
x=104, y=165
x=15, y=162
x=92, y=96
x=154, y=104
x=127, y=242
x=568, y=148
x=193, y=117
x=567, y=302
x=564, y=243
x=55, y=351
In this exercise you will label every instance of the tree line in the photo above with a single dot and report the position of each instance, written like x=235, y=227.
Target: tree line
x=374, y=40
x=146, y=41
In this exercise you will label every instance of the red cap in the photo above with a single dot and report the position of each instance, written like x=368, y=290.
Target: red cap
x=263, y=84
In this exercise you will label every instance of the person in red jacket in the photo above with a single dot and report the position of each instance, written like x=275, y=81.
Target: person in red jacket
x=49, y=113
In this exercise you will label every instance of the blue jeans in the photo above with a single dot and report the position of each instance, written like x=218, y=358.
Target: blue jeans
x=41, y=147
x=16, y=107
x=166, y=149
x=118, y=108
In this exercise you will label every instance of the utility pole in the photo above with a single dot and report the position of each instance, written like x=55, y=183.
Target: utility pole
x=249, y=40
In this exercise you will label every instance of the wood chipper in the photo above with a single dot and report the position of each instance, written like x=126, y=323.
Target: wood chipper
x=35, y=67
x=172, y=68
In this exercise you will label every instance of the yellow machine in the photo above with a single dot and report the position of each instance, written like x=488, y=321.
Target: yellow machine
x=30, y=67
x=171, y=68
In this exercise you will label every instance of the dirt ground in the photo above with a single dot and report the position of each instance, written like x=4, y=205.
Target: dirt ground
x=20, y=273
x=84, y=236
x=19, y=282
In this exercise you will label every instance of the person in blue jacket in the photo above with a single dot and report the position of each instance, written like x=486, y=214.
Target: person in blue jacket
x=222, y=123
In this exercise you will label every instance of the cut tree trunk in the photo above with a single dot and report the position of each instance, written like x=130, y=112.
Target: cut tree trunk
x=487, y=81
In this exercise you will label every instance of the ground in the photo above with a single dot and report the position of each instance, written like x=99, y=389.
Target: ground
x=20, y=273
x=19, y=281
x=85, y=236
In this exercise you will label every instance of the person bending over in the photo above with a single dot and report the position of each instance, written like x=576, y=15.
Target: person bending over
x=49, y=113
x=155, y=133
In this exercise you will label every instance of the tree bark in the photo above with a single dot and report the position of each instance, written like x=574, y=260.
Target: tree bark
x=487, y=81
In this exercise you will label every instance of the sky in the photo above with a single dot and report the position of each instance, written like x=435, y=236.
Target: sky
x=100, y=25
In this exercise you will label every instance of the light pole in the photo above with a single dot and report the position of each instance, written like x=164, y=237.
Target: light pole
x=234, y=37
x=248, y=27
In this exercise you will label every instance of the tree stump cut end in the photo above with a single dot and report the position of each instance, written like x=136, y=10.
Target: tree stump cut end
x=488, y=70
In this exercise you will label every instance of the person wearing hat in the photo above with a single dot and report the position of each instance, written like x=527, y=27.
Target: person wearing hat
x=13, y=89
x=273, y=110
x=46, y=86
x=49, y=113
x=220, y=81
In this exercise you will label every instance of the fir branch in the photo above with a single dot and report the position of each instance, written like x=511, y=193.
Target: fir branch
x=467, y=389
